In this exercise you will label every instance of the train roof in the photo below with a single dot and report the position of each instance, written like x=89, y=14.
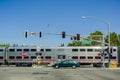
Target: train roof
x=55, y=47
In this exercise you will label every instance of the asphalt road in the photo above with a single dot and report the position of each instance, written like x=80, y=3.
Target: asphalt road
x=49, y=73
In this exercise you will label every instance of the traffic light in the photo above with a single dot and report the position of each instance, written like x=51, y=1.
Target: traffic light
x=26, y=34
x=78, y=36
x=40, y=34
x=63, y=34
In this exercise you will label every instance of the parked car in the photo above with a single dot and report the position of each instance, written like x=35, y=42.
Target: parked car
x=66, y=63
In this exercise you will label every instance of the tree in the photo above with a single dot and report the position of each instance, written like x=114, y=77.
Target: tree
x=4, y=45
x=75, y=44
x=114, y=39
x=119, y=39
x=96, y=37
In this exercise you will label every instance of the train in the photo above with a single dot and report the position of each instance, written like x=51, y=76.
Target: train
x=28, y=55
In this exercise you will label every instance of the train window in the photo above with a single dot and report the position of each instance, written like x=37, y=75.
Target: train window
x=82, y=57
x=114, y=50
x=19, y=50
x=60, y=49
x=113, y=57
x=1, y=57
x=26, y=50
x=82, y=50
x=64, y=57
x=11, y=57
x=75, y=57
x=19, y=57
x=61, y=56
x=40, y=54
x=41, y=57
x=97, y=50
x=1, y=50
x=33, y=57
x=90, y=57
x=42, y=50
x=48, y=57
x=12, y=50
x=75, y=50
x=47, y=50
x=106, y=57
x=26, y=57
x=89, y=50
x=33, y=50
x=97, y=57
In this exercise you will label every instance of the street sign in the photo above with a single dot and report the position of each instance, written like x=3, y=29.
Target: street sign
x=86, y=42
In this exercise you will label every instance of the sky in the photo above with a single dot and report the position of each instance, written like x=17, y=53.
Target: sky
x=55, y=16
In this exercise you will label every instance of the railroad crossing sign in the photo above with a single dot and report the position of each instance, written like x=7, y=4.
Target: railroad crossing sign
x=23, y=53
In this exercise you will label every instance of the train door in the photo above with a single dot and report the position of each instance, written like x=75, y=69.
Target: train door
x=61, y=57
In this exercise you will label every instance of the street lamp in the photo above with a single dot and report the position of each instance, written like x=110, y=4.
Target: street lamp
x=108, y=26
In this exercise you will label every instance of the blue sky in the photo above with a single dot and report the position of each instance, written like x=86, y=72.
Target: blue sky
x=55, y=16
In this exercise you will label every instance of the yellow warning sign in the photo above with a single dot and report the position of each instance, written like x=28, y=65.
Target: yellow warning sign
x=38, y=62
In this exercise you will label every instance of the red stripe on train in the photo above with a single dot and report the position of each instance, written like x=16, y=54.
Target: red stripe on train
x=54, y=60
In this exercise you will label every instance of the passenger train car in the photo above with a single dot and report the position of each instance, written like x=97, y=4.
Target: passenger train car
x=84, y=55
x=28, y=55
x=21, y=55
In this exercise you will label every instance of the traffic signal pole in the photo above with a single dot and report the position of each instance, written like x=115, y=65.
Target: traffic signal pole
x=108, y=28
